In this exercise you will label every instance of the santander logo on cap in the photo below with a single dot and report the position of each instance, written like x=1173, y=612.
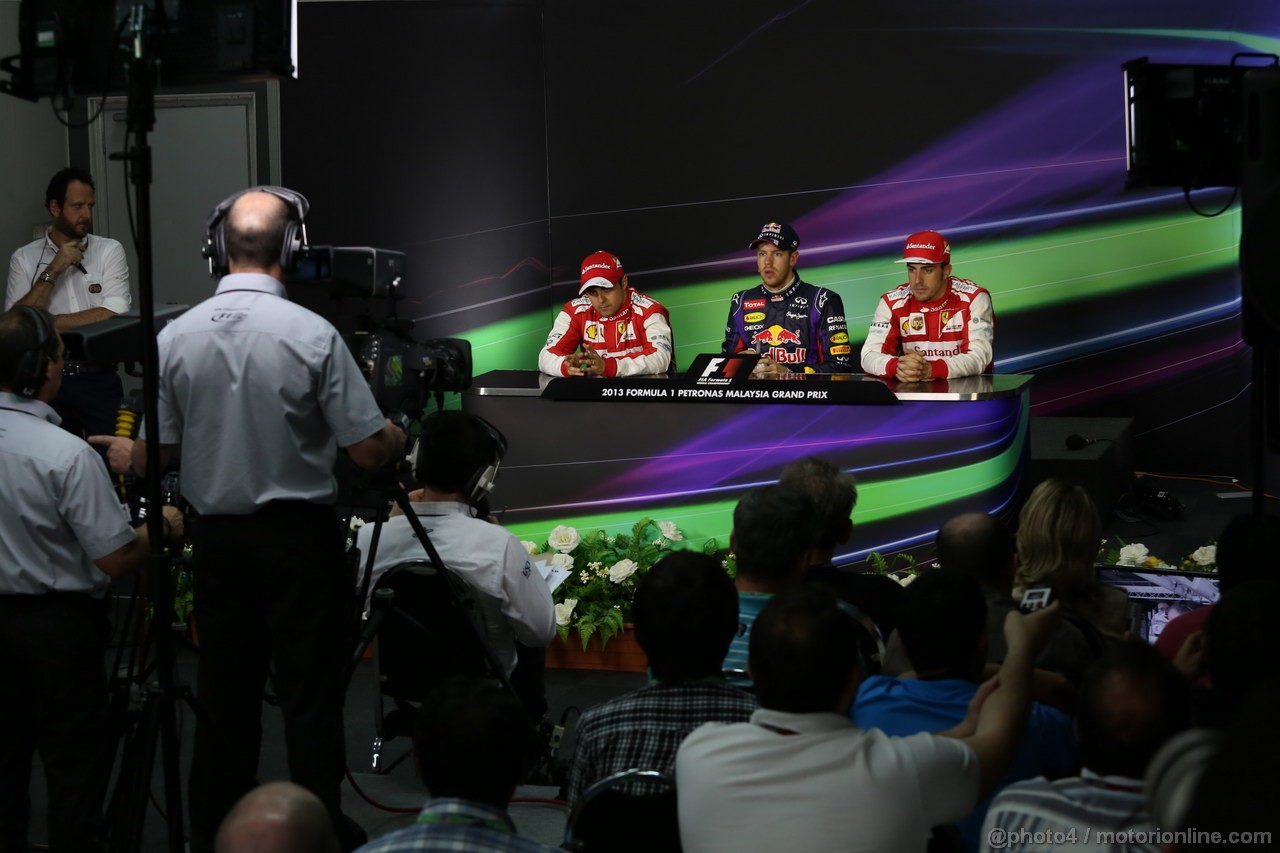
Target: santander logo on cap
x=926, y=247
x=600, y=269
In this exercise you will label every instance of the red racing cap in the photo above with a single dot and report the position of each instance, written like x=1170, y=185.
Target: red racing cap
x=600, y=269
x=926, y=247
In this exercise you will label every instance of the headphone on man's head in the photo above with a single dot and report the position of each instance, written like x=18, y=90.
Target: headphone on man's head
x=295, y=232
x=30, y=374
x=480, y=482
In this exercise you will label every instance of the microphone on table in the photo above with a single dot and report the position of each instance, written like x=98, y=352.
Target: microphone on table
x=1075, y=441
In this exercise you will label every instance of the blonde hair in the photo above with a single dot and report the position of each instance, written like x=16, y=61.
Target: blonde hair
x=1059, y=534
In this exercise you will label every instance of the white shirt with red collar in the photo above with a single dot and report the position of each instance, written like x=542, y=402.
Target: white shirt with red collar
x=636, y=340
x=954, y=333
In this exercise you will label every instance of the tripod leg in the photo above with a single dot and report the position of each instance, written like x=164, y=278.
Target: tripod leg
x=127, y=812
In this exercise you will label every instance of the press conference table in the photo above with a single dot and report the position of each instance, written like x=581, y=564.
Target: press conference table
x=593, y=452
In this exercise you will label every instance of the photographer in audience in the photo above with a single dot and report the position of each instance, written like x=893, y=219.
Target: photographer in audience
x=943, y=630
x=801, y=776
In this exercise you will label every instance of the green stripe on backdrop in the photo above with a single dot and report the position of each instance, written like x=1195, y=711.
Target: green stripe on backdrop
x=877, y=501
x=1024, y=273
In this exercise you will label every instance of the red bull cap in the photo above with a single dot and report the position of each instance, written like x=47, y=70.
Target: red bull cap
x=779, y=234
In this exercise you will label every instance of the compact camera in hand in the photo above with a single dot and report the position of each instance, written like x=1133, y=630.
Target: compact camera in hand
x=1036, y=598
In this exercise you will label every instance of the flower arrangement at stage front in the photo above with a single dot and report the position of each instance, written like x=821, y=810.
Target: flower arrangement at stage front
x=1137, y=555
x=603, y=573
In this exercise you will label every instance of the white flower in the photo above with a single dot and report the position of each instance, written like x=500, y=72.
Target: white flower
x=563, y=561
x=595, y=565
x=659, y=542
x=564, y=610
x=530, y=548
x=622, y=570
x=355, y=524
x=1132, y=555
x=670, y=531
x=1205, y=555
x=564, y=539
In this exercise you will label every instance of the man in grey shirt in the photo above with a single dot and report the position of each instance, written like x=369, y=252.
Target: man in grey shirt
x=63, y=536
x=256, y=394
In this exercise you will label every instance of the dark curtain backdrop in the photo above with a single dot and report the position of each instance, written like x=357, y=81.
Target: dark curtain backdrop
x=419, y=127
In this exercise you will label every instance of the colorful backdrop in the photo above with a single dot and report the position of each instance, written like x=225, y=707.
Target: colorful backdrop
x=498, y=143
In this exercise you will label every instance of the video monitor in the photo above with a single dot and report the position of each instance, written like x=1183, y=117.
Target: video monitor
x=1158, y=596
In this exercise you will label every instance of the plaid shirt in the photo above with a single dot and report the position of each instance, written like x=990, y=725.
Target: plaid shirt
x=465, y=826
x=644, y=728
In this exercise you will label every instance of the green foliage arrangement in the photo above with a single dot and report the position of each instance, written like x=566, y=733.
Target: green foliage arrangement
x=604, y=571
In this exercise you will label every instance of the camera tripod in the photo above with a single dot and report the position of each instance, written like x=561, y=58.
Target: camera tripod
x=383, y=606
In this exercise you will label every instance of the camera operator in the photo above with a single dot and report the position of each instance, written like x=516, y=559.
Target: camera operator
x=259, y=393
x=457, y=460
x=63, y=537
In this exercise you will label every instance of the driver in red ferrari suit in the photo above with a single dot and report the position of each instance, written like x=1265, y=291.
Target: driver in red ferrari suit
x=933, y=327
x=610, y=329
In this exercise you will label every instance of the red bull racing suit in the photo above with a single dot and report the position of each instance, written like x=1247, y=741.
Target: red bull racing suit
x=634, y=341
x=803, y=327
x=954, y=333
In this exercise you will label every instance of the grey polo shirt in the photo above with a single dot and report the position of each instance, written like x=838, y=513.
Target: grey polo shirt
x=58, y=512
x=260, y=393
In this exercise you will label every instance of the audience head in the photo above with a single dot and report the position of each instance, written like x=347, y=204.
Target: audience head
x=832, y=491
x=278, y=817
x=473, y=741
x=942, y=623
x=1247, y=548
x=804, y=655
x=979, y=546
x=19, y=336
x=1241, y=641
x=456, y=452
x=1131, y=701
x=1059, y=533
x=774, y=530
x=254, y=232
x=686, y=613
